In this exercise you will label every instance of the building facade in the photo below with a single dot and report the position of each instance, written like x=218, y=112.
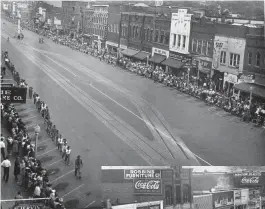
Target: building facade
x=201, y=47
x=99, y=26
x=73, y=16
x=113, y=36
x=228, y=55
x=160, y=48
x=179, y=60
x=253, y=75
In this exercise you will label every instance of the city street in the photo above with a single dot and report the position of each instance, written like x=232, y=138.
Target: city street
x=198, y=130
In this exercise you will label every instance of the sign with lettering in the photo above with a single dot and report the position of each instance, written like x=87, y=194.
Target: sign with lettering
x=160, y=51
x=30, y=206
x=244, y=78
x=249, y=178
x=230, y=78
x=205, y=64
x=7, y=85
x=181, y=57
x=13, y=95
x=157, y=206
x=223, y=199
x=147, y=186
x=142, y=174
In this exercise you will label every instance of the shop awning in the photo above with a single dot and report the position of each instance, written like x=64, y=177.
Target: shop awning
x=258, y=91
x=172, y=63
x=157, y=58
x=141, y=55
x=129, y=52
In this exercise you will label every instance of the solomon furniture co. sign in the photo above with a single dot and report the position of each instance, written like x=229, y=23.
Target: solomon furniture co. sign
x=13, y=95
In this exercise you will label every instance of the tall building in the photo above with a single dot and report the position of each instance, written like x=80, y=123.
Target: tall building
x=228, y=55
x=179, y=61
x=253, y=75
x=201, y=47
x=72, y=18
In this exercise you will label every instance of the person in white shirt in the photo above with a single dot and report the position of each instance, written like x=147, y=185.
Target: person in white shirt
x=6, y=164
x=37, y=191
x=2, y=147
x=67, y=155
x=60, y=143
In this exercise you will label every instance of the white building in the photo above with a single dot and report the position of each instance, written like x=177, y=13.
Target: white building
x=180, y=32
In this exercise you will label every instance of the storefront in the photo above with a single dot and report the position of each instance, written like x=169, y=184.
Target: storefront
x=142, y=56
x=241, y=198
x=112, y=47
x=229, y=81
x=178, y=64
x=128, y=52
x=223, y=200
x=158, y=56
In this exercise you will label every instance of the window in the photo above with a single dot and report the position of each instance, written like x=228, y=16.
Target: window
x=174, y=39
x=249, y=58
x=234, y=59
x=162, y=37
x=194, y=45
x=199, y=48
x=223, y=57
x=136, y=31
x=179, y=39
x=151, y=35
x=156, y=36
x=168, y=195
x=148, y=35
x=184, y=42
x=204, y=47
x=258, y=59
x=73, y=8
x=186, y=193
x=145, y=34
x=167, y=38
x=209, y=48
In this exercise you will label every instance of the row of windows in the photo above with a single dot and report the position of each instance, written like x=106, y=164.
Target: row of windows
x=257, y=60
x=233, y=61
x=202, y=47
x=97, y=32
x=179, y=41
x=100, y=20
x=99, y=27
x=114, y=28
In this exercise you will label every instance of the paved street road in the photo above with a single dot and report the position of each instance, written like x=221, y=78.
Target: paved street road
x=211, y=134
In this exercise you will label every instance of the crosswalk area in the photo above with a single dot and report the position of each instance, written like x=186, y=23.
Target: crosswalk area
x=76, y=193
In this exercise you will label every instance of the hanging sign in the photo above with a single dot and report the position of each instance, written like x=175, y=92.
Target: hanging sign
x=13, y=95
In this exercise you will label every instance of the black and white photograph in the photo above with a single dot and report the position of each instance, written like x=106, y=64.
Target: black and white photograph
x=93, y=86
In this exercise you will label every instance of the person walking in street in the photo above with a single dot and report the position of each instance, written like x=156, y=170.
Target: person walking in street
x=17, y=168
x=2, y=146
x=30, y=92
x=67, y=155
x=78, y=165
x=64, y=149
x=9, y=145
x=6, y=164
x=34, y=97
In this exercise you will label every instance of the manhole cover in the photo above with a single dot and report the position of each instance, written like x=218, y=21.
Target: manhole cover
x=46, y=159
x=61, y=186
x=71, y=203
x=53, y=171
x=41, y=148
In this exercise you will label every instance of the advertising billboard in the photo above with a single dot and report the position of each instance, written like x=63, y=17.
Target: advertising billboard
x=249, y=179
x=13, y=95
x=223, y=199
x=147, y=186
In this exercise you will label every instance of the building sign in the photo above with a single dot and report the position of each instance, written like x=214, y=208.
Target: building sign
x=181, y=57
x=13, y=95
x=147, y=186
x=30, y=206
x=112, y=43
x=157, y=206
x=247, y=179
x=142, y=174
x=142, y=205
x=223, y=199
x=241, y=196
x=244, y=78
x=160, y=51
x=205, y=64
x=230, y=78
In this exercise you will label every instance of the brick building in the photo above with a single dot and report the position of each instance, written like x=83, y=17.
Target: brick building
x=114, y=19
x=73, y=16
x=99, y=25
x=88, y=22
x=228, y=55
x=253, y=75
x=137, y=24
x=160, y=43
x=201, y=47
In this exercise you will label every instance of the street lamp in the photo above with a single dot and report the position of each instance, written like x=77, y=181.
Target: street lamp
x=37, y=131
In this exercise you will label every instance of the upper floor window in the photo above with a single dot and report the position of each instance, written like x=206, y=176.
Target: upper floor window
x=174, y=39
x=204, y=47
x=151, y=35
x=184, y=42
x=162, y=37
x=249, y=58
x=209, y=48
x=145, y=34
x=258, y=59
x=199, y=48
x=194, y=45
x=156, y=36
x=167, y=38
x=234, y=60
x=148, y=34
x=73, y=8
x=179, y=40
x=223, y=57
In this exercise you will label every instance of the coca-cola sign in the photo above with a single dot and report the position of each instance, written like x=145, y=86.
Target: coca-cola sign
x=250, y=180
x=148, y=186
